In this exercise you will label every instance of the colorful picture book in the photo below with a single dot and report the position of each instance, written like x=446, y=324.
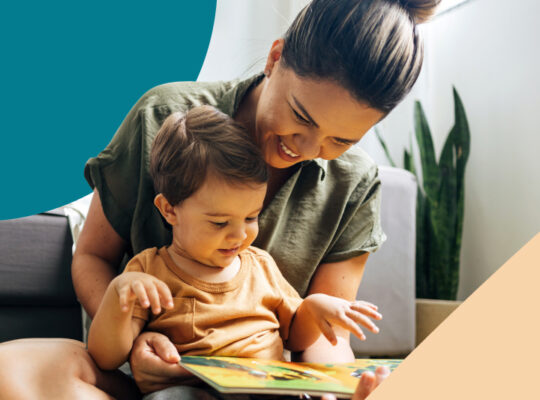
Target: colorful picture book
x=259, y=376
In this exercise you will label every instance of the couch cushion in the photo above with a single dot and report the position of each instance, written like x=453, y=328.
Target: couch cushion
x=25, y=321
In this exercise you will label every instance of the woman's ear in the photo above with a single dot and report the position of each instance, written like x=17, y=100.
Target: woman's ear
x=166, y=209
x=273, y=56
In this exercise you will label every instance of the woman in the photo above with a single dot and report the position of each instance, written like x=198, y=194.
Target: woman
x=340, y=68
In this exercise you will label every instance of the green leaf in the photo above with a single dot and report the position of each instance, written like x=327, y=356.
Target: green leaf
x=408, y=159
x=440, y=203
x=430, y=173
x=385, y=148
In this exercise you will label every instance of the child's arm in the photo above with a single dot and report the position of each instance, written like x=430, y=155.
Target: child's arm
x=319, y=312
x=113, y=329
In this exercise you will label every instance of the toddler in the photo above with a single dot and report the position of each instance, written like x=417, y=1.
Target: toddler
x=209, y=291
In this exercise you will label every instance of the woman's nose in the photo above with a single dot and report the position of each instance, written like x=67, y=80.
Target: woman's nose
x=309, y=145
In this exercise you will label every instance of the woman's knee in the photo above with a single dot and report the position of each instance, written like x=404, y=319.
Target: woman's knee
x=41, y=368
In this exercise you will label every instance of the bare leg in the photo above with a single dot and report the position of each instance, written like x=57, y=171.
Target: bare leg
x=57, y=369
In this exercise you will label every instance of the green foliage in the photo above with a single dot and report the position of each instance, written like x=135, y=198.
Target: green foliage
x=440, y=203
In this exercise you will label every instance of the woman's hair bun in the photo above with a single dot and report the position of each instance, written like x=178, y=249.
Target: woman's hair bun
x=420, y=10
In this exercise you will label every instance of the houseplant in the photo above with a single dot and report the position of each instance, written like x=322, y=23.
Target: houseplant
x=440, y=203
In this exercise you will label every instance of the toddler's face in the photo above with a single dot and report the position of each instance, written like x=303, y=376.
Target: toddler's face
x=218, y=221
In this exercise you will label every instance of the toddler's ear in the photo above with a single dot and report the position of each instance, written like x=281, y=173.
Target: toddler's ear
x=165, y=208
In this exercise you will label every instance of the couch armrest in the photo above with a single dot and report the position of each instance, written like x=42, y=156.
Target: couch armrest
x=36, y=292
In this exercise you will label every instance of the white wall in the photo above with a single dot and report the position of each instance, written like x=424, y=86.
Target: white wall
x=243, y=33
x=489, y=50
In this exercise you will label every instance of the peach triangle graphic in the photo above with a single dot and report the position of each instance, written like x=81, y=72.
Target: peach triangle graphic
x=489, y=348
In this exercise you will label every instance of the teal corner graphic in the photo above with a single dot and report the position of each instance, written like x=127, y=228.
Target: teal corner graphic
x=70, y=72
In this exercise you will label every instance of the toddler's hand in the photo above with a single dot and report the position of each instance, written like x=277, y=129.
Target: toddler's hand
x=328, y=311
x=148, y=290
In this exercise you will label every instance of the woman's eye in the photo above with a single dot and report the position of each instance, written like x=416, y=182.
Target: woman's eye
x=300, y=118
x=219, y=224
x=341, y=142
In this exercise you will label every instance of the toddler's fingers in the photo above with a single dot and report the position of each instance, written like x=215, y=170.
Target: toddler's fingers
x=360, y=306
x=153, y=297
x=165, y=295
x=328, y=332
x=361, y=319
x=351, y=326
x=367, y=304
x=123, y=298
x=140, y=292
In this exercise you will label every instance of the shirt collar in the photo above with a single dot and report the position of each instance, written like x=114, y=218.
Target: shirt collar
x=321, y=163
x=230, y=100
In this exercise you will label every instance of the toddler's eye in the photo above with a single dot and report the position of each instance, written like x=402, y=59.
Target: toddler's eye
x=252, y=219
x=219, y=224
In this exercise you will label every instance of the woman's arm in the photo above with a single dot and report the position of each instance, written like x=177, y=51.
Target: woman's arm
x=340, y=279
x=98, y=253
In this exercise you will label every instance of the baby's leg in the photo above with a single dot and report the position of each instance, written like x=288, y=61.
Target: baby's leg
x=57, y=369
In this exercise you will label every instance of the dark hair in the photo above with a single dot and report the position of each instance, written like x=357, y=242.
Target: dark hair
x=204, y=140
x=370, y=47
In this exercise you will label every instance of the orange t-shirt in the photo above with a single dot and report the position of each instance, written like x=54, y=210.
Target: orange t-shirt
x=247, y=316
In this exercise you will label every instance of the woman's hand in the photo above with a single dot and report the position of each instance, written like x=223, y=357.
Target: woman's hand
x=147, y=289
x=368, y=383
x=329, y=311
x=154, y=363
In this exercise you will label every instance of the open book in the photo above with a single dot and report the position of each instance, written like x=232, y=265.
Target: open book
x=258, y=376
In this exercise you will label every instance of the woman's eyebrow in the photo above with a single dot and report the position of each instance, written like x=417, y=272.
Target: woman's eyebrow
x=304, y=112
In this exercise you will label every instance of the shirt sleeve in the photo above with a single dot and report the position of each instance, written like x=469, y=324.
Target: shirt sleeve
x=136, y=264
x=359, y=230
x=120, y=173
x=115, y=172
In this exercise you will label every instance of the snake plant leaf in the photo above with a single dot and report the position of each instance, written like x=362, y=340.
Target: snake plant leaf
x=408, y=160
x=430, y=175
x=385, y=148
x=422, y=248
x=462, y=145
x=440, y=203
x=463, y=136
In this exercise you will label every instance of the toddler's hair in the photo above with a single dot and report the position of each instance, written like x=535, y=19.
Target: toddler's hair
x=204, y=140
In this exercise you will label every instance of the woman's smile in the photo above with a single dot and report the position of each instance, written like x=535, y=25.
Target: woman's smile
x=286, y=153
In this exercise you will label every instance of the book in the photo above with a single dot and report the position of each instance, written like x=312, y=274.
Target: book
x=259, y=376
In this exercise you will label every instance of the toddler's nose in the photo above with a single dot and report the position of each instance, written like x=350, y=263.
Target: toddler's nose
x=239, y=234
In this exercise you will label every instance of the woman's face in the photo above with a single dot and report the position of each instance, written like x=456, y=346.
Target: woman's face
x=299, y=119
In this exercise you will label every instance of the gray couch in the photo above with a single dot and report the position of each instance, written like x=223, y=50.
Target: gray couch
x=36, y=293
x=37, y=297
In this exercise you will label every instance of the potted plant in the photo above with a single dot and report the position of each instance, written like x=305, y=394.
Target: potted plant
x=439, y=215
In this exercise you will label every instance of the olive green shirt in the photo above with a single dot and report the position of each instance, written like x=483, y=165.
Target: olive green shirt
x=327, y=211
